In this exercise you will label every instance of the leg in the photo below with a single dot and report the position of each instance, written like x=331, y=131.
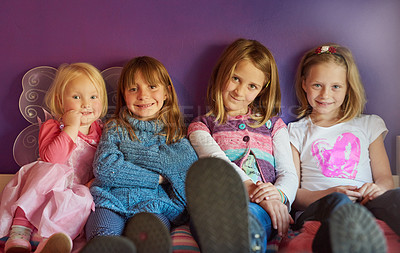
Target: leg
x=321, y=209
x=183, y=241
x=387, y=208
x=104, y=222
x=218, y=207
x=20, y=233
x=259, y=221
x=149, y=232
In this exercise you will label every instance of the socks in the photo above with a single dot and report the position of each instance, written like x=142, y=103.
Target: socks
x=20, y=232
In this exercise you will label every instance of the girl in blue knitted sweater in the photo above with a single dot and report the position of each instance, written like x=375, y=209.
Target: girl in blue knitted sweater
x=141, y=162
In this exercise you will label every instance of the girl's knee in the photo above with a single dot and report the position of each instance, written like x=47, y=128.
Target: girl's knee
x=104, y=222
x=261, y=216
x=394, y=193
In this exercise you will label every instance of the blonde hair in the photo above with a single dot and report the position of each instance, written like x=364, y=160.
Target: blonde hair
x=354, y=102
x=153, y=72
x=268, y=102
x=67, y=73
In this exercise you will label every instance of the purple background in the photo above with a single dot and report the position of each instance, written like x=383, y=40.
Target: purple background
x=188, y=36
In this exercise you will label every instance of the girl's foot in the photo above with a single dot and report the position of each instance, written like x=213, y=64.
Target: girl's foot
x=148, y=233
x=18, y=242
x=218, y=208
x=351, y=228
x=109, y=244
x=57, y=243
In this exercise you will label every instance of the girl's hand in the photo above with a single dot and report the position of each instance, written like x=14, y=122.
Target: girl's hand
x=161, y=180
x=72, y=118
x=279, y=214
x=349, y=190
x=72, y=123
x=369, y=191
x=264, y=191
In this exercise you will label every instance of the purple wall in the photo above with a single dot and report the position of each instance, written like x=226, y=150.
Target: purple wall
x=188, y=36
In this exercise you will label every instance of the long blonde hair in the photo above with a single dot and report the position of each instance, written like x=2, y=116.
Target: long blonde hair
x=67, y=73
x=354, y=102
x=153, y=72
x=268, y=102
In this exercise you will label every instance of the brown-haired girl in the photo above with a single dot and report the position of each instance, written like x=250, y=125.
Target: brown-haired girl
x=141, y=162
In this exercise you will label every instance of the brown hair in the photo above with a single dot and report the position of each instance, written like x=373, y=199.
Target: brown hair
x=154, y=72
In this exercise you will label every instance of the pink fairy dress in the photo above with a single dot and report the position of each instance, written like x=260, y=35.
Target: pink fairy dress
x=53, y=195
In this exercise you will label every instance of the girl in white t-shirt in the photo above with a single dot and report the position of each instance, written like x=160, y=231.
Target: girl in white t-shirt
x=340, y=156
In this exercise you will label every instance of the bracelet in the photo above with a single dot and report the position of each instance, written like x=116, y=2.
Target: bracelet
x=283, y=196
x=280, y=193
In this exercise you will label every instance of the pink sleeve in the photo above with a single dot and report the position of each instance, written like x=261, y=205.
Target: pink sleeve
x=55, y=146
x=279, y=124
x=197, y=126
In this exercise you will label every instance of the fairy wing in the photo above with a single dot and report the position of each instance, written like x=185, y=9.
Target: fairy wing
x=111, y=77
x=35, y=84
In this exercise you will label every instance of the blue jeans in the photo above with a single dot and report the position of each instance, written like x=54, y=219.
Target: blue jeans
x=258, y=214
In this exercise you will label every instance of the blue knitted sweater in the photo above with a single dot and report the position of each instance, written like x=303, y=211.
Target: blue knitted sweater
x=127, y=172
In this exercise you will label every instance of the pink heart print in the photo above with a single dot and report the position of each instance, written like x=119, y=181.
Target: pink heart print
x=341, y=160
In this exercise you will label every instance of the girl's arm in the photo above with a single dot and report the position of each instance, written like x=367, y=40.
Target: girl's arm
x=381, y=172
x=300, y=202
x=287, y=179
x=55, y=146
x=380, y=164
x=205, y=146
x=112, y=170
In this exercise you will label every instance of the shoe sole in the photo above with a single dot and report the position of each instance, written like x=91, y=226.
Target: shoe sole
x=148, y=233
x=109, y=244
x=57, y=243
x=18, y=250
x=218, y=206
x=353, y=228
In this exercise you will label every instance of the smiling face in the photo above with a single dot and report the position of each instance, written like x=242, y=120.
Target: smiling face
x=143, y=99
x=244, y=86
x=82, y=96
x=326, y=87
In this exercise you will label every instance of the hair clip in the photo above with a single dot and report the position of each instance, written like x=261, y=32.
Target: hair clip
x=267, y=83
x=325, y=49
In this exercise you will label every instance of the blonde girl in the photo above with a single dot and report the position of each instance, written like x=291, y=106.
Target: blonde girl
x=243, y=128
x=50, y=196
x=141, y=163
x=339, y=155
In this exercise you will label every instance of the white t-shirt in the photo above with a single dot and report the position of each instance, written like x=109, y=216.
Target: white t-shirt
x=336, y=155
